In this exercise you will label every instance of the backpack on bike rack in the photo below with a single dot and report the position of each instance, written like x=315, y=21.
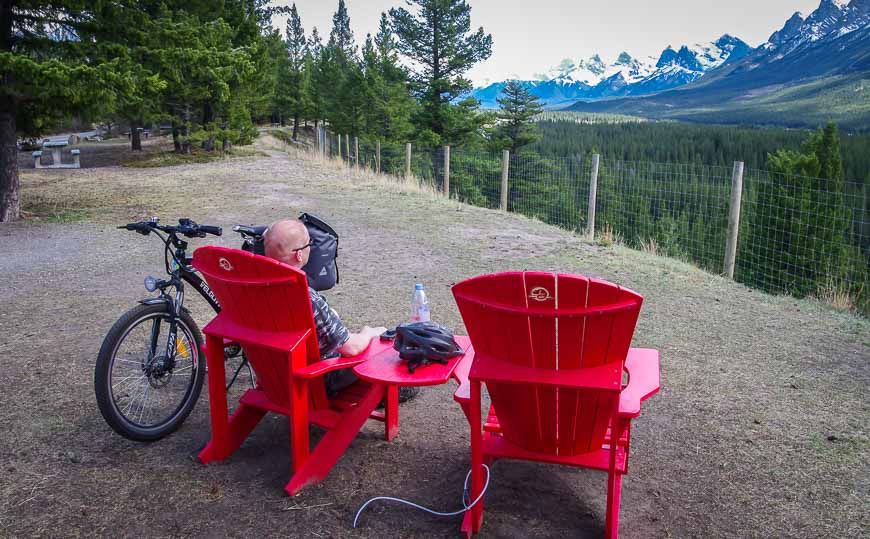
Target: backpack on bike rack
x=321, y=268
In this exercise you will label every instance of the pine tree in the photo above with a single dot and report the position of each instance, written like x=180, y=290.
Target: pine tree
x=390, y=103
x=297, y=51
x=341, y=36
x=518, y=108
x=341, y=76
x=317, y=72
x=437, y=38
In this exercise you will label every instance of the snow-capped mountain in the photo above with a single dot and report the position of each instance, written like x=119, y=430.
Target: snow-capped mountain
x=832, y=19
x=592, y=71
x=815, y=60
x=800, y=41
x=593, y=78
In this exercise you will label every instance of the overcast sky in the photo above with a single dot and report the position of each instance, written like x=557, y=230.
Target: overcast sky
x=530, y=37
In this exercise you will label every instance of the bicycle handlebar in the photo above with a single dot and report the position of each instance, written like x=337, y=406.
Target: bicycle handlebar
x=185, y=227
x=214, y=230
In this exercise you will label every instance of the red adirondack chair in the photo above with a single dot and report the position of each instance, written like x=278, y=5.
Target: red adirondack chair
x=551, y=350
x=266, y=308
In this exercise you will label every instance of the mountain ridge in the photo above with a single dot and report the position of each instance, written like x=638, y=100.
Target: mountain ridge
x=592, y=78
x=832, y=42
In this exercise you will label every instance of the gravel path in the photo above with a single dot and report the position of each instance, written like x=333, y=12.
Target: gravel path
x=760, y=429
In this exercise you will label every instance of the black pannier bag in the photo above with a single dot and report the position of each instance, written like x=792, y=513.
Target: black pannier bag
x=321, y=268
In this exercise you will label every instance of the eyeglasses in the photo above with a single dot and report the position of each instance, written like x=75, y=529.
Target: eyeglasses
x=306, y=246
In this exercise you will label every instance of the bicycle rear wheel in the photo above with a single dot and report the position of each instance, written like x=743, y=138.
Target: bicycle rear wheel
x=142, y=392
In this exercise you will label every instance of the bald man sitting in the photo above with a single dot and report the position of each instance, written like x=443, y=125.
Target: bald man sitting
x=288, y=241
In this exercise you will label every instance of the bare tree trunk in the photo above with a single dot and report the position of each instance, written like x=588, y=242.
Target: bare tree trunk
x=295, y=125
x=185, y=143
x=9, y=201
x=135, y=136
x=176, y=141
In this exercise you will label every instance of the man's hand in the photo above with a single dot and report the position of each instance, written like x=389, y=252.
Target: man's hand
x=358, y=342
x=373, y=332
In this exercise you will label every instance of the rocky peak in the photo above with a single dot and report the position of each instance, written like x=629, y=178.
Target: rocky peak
x=790, y=29
x=624, y=59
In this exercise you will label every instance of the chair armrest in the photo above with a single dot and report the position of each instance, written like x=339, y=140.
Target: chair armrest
x=460, y=373
x=642, y=365
x=273, y=340
x=328, y=365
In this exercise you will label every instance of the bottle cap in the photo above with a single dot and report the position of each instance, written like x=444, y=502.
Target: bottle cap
x=418, y=286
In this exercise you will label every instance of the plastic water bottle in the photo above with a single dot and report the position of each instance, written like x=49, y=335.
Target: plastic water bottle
x=419, y=305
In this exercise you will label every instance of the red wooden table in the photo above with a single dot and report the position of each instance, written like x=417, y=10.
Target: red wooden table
x=386, y=368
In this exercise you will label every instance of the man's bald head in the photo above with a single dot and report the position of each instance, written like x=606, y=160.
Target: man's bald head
x=283, y=242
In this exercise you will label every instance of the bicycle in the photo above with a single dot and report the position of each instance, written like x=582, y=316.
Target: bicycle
x=159, y=381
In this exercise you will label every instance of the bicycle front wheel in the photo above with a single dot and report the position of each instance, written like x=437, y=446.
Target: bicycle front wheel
x=146, y=389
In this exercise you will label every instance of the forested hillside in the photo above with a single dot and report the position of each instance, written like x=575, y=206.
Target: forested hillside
x=673, y=142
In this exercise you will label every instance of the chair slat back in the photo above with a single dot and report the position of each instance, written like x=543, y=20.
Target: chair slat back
x=261, y=294
x=549, y=321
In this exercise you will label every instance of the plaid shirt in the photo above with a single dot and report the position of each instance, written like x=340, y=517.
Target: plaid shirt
x=331, y=332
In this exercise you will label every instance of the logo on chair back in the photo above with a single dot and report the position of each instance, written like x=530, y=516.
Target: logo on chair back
x=539, y=293
x=225, y=264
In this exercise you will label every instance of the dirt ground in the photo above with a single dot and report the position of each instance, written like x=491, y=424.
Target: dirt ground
x=760, y=429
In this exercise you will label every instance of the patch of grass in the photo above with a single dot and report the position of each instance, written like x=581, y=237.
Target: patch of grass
x=609, y=237
x=51, y=215
x=649, y=246
x=52, y=208
x=837, y=295
x=170, y=158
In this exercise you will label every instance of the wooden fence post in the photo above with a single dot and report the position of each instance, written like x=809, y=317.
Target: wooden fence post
x=505, y=164
x=339, y=146
x=447, y=171
x=593, y=196
x=347, y=146
x=378, y=156
x=356, y=151
x=734, y=218
x=408, y=160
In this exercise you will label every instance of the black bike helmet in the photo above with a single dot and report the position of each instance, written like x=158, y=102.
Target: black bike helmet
x=421, y=343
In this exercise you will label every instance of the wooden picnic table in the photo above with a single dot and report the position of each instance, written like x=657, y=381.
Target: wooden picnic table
x=55, y=146
x=387, y=369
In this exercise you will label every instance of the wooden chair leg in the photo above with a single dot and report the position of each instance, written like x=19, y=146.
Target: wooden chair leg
x=391, y=413
x=240, y=426
x=614, y=490
x=334, y=443
x=614, y=483
x=218, y=447
x=300, y=445
x=477, y=471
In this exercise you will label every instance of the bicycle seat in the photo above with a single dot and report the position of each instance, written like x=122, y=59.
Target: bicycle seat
x=255, y=231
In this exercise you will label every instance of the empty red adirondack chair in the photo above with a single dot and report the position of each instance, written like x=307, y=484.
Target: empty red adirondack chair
x=266, y=308
x=551, y=350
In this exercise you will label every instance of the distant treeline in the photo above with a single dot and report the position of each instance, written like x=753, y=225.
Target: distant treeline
x=804, y=227
x=672, y=142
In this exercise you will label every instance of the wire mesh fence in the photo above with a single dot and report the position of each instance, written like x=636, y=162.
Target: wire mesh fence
x=679, y=211
x=553, y=190
x=807, y=237
x=475, y=177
